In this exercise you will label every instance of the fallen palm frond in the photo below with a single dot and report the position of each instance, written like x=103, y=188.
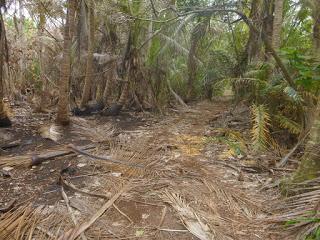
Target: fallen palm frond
x=80, y=128
x=20, y=223
x=189, y=217
x=32, y=159
x=300, y=213
x=105, y=158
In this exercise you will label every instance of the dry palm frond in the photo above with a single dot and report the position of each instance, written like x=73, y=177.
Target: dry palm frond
x=93, y=131
x=20, y=223
x=301, y=212
x=189, y=217
x=292, y=126
x=79, y=128
x=136, y=151
x=260, y=130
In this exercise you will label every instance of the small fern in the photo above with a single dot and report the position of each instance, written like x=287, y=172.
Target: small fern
x=286, y=123
x=260, y=130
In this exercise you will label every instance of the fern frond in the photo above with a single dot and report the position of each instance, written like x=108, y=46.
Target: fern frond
x=286, y=123
x=260, y=130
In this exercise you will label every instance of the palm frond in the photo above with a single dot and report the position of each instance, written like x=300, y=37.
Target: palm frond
x=287, y=123
x=260, y=130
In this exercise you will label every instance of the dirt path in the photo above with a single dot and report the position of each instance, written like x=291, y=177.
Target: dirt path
x=188, y=187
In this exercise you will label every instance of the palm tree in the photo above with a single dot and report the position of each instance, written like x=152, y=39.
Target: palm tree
x=89, y=69
x=63, y=105
x=4, y=119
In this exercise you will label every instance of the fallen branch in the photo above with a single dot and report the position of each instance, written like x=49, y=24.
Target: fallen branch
x=75, y=232
x=32, y=160
x=80, y=151
x=38, y=159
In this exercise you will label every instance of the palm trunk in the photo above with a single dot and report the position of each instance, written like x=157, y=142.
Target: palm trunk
x=63, y=105
x=277, y=24
x=89, y=69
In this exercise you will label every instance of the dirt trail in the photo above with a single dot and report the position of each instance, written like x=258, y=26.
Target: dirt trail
x=188, y=187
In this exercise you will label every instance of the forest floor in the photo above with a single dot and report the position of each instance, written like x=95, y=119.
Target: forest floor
x=186, y=182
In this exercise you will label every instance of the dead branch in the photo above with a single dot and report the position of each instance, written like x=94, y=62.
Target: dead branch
x=38, y=159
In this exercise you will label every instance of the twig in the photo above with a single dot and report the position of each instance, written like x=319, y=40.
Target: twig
x=75, y=232
x=79, y=151
x=172, y=230
x=163, y=215
x=71, y=186
x=122, y=213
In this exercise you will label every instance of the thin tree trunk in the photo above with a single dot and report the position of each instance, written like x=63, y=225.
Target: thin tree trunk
x=316, y=28
x=196, y=35
x=43, y=79
x=267, y=26
x=277, y=24
x=89, y=69
x=63, y=105
x=254, y=42
x=108, y=86
x=4, y=120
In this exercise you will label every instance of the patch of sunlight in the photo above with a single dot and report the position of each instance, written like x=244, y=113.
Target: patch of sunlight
x=189, y=145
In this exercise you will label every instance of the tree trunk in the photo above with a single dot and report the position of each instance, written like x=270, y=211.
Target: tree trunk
x=109, y=83
x=310, y=164
x=4, y=120
x=89, y=69
x=196, y=35
x=267, y=26
x=316, y=28
x=254, y=42
x=63, y=105
x=43, y=79
x=277, y=24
